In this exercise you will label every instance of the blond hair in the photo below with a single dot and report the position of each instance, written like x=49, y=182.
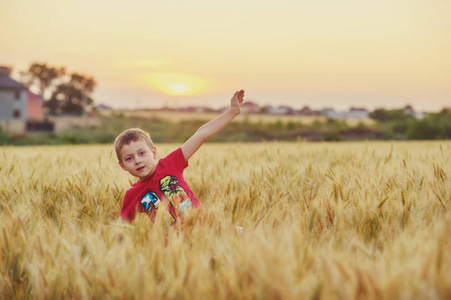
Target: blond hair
x=131, y=135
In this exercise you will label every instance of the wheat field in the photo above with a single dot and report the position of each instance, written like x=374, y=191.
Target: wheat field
x=364, y=220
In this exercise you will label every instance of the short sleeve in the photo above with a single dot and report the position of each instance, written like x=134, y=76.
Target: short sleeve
x=175, y=160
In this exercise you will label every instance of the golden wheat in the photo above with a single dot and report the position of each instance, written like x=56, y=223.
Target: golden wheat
x=365, y=220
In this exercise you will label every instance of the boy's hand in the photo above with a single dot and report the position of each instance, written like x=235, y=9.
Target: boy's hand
x=237, y=99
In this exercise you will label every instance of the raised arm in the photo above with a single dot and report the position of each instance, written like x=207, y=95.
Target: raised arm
x=209, y=129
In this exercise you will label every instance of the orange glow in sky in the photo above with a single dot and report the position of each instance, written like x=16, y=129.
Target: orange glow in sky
x=291, y=52
x=176, y=84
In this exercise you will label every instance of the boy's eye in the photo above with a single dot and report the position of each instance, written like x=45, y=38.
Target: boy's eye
x=128, y=158
x=142, y=152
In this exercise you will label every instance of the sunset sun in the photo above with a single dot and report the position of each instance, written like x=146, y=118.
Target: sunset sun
x=176, y=83
x=179, y=88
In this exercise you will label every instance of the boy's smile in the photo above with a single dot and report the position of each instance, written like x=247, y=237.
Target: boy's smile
x=138, y=159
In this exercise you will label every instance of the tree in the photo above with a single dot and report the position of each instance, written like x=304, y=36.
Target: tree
x=42, y=78
x=63, y=93
x=73, y=96
x=379, y=114
x=383, y=115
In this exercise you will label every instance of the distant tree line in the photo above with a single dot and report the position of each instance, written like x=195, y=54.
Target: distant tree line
x=63, y=92
x=432, y=126
x=399, y=125
x=386, y=115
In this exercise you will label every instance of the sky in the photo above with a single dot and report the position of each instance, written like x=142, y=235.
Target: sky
x=322, y=53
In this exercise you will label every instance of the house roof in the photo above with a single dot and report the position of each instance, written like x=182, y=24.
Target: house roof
x=7, y=83
x=103, y=107
x=249, y=104
x=355, y=109
x=305, y=109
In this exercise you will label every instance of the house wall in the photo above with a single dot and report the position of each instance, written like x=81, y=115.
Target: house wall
x=331, y=114
x=35, y=110
x=10, y=123
x=357, y=114
x=9, y=104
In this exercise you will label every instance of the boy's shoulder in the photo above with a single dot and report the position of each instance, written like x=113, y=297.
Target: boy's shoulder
x=175, y=159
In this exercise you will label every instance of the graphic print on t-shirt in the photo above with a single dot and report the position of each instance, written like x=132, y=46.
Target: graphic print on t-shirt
x=170, y=187
x=150, y=201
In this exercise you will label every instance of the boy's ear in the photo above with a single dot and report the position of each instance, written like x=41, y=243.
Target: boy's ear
x=122, y=165
x=154, y=151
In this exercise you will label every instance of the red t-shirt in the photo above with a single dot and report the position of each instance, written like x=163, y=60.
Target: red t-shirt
x=166, y=186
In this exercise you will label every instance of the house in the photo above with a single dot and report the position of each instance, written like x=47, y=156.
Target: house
x=35, y=111
x=305, y=111
x=250, y=108
x=409, y=111
x=196, y=109
x=286, y=109
x=281, y=110
x=357, y=113
x=329, y=113
x=13, y=103
x=266, y=109
x=308, y=112
x=353, y=113
x=277, y=111
x=103, y=107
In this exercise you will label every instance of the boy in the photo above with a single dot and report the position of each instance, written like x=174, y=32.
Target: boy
x=163, y=184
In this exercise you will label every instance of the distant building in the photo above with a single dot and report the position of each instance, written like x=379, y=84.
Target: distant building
x=357, y=113
x=266, y=109
x=419, y=115
x=250, y=107
x=286, y=109
x=196, y=109
x=353, y=113
x=103, y=107
x=277, y=111
x=281, y=110
x=409, y=111
x=13, y=103
x=306, y=111
x=329, y=113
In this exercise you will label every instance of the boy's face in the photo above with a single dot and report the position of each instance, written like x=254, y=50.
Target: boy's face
x=138, y=159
